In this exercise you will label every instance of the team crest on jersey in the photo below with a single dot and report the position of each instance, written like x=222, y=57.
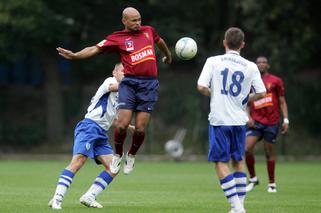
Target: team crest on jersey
x=129, y=44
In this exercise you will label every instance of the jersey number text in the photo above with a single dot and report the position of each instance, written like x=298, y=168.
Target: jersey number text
x=234, y=88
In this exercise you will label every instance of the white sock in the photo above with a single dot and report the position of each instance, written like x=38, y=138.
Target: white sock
x=65, y=179
x=240, y=180
x=229, y=187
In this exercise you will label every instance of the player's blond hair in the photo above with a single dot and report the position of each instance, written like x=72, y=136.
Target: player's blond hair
x=117, y=65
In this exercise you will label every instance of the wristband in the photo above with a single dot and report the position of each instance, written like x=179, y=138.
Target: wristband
x=286, y=121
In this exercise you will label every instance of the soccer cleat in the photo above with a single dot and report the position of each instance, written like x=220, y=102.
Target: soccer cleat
x=272, y=188
x=115, y=164
x=129, y=163
x=55, y=204
x=252, y=183
x=90, y=202
x=237, y=211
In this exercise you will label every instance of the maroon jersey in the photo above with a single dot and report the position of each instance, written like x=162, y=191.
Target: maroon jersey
x=136, y=50
x=266, y=110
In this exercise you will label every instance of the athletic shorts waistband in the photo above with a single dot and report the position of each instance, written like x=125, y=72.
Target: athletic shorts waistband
x=141, y=77
x=93, y=122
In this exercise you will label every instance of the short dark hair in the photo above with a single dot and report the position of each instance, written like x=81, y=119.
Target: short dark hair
x=262, y=56
x=234, y=38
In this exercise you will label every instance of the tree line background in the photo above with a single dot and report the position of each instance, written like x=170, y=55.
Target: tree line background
x=43, y=96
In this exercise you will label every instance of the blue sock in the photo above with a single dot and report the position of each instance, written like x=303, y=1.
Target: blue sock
x=65, y=179
x=229, y=187
x=240, y=180
x=100, y=183
x=103, y=179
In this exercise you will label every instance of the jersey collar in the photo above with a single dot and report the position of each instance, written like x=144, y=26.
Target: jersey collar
x=233, y=52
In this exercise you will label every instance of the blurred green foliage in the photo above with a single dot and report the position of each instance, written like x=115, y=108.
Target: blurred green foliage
x=287, y=32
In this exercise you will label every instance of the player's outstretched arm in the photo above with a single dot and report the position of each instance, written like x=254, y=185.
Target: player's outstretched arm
x=82, y=54
x=167, y=59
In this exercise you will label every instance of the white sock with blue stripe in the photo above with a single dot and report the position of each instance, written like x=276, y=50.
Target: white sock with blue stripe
x=65, y=179
x=240, y=180
x=229, y=187
x=100, y=183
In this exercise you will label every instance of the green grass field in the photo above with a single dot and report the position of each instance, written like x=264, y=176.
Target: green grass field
x=27, y=186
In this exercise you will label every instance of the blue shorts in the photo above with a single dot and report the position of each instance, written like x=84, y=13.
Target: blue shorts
x=267, y=132
x=91, y=140
x=226, y=142
x=138, y=93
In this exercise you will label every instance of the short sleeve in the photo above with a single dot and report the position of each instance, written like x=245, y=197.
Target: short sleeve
x=257, y=82
x=107, y=83
x=156, y=36
x=205, y=76
x=108, y=45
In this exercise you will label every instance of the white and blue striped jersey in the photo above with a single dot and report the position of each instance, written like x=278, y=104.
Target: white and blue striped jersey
x=230, y=78
x=103, y=106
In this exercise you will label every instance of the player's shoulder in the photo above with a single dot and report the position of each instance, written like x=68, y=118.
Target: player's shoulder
x=214, y=59
x=251, y=65
x=110, y=80
x=275, y=78
x=246, y=62
x=146, y=27
x=116, y=33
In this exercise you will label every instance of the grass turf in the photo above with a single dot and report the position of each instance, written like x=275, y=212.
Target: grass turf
x=27, y=186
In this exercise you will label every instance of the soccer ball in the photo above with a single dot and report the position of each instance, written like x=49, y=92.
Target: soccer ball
x=174, y=148
x=186, y=48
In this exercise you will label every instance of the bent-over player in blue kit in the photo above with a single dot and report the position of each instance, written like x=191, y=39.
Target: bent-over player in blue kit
x=91, y=141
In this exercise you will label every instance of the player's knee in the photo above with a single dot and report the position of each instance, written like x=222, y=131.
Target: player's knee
x=122, y=129
x=121, y=125
x=140, y=129
x=248, y=151
x=139, y=132
x=268, y=156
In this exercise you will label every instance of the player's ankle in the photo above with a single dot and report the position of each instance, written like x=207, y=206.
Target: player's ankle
x=253, y=179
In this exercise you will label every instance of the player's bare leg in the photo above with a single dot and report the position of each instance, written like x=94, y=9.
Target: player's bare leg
x=141, y=121
x=250, y=161
x=270, y=164
x=100, y=183
x=65, y=179
x=124, y=118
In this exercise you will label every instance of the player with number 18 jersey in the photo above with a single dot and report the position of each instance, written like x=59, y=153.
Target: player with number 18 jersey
x=227, y=79
x=230, y=78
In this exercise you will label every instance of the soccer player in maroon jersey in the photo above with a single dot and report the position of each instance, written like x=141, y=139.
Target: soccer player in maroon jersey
x=138, y=90
x=264, y=116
